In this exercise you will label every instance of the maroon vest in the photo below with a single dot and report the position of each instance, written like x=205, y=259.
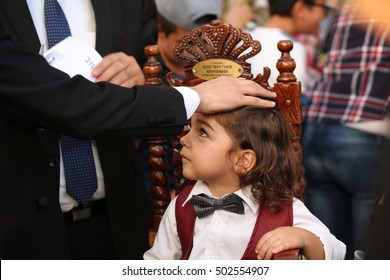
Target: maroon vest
x=185, y=219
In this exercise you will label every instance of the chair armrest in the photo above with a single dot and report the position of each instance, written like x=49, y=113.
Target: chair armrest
x=291, y=254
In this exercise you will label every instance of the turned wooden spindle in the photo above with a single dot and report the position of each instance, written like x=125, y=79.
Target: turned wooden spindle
x=157, y=147
x=288, y=91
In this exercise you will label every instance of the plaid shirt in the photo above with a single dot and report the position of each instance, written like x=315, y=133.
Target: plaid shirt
x=355, y=82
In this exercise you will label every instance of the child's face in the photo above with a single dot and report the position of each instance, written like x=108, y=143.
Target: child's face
x=205, y=152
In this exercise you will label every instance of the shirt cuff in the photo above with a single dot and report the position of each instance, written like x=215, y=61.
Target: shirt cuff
x=191, y=100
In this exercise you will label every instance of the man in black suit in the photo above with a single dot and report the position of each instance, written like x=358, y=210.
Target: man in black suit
x=120, y=212
x=32, y=103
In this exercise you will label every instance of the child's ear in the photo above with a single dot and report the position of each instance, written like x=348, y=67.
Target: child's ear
x=245, y=161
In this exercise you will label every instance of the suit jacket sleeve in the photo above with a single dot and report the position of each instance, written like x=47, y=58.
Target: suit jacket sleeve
x=35, y=94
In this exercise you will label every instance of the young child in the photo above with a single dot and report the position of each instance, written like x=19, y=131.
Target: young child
x=245, y=154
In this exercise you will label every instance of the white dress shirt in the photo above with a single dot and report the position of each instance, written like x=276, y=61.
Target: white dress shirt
x=225, y=235
x=81, y=19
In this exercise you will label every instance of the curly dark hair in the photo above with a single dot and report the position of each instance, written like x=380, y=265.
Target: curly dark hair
x=274, y=178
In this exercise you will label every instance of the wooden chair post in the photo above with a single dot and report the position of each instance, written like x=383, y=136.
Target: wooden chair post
x=157, y=150
x=288, y=91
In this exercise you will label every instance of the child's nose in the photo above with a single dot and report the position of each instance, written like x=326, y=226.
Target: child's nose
x=184, y=139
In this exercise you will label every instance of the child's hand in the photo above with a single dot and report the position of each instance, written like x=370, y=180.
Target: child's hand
x=280, y=239
x=284, y=238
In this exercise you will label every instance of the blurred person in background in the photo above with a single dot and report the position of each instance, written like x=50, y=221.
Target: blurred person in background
x=177, y=18
x=287, y=19
x=238, y=13
x=347, y=125
x=377, y=244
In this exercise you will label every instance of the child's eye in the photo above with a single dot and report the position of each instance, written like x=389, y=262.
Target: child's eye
x=202, y=132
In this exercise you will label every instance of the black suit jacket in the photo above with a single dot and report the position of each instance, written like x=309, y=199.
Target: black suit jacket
x=32, y=112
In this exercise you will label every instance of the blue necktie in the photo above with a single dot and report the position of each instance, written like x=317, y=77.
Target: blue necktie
x=79, y=165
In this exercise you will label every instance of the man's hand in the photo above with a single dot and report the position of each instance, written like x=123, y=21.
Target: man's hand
x=226, y=93
x=119, y=68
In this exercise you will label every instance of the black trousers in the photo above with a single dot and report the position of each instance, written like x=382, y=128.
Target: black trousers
x=91, y=238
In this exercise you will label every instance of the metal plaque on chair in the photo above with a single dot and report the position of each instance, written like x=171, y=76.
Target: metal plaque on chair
x=213, y=68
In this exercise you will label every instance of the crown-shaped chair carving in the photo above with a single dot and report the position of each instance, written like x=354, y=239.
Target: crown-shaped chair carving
x=216, y=40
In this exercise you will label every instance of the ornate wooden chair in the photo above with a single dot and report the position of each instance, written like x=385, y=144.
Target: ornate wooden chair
x=219, y=49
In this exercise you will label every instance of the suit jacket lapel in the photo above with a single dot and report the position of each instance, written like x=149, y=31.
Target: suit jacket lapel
x=104, y=29
x=22, y=22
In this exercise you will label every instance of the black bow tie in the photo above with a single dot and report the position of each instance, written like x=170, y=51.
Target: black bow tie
x=205, y=205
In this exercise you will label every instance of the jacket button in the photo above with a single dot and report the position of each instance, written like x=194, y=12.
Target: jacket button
x=53, y=162
x=43, y=202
